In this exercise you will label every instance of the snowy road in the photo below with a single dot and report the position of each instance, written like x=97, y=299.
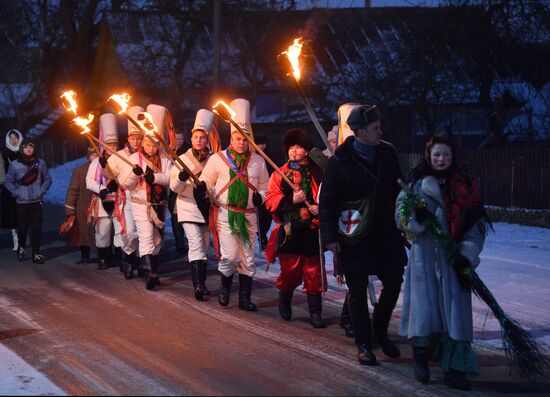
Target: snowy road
x=67, y=328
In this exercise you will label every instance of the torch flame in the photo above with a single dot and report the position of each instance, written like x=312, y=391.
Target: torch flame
x=121, y=100
x=68, y=100
x=293, y=54
x=81, y=124
x=145, y=120
x=224, y=110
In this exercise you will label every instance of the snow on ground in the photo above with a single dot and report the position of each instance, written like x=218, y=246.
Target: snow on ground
x=61, y=177
x=18, y=378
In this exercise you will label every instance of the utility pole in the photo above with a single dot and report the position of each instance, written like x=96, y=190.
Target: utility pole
x=216, y=33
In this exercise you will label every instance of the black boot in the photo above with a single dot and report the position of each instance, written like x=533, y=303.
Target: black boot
x=152, y=277
x=225, y=290
x=421, y=355
x=84, y=255
x=147, y=267
x=130, y=265
x=199, y=292
x=365, y=355
x=203, y=268
x=245, y=291
x=285, y=309
x=315, y=304
x=103, y=258
x=380, y=322
x=20, y=253
x=457, y=380
x=345, y=319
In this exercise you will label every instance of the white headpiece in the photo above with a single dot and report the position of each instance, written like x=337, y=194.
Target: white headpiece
x=203, y=121
x=133, y=111
x=8, y=143
x=107, y=123
x=343, y=128
x=158, y=113
x=242, y=108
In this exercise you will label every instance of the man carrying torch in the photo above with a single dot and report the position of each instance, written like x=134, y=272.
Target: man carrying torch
x=127, y=239
x=192, y=213
x=295, y=239
x=149, y=198
x=239, y=179
x=104, y=187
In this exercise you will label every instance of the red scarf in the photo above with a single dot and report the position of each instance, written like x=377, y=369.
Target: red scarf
x=463, y=204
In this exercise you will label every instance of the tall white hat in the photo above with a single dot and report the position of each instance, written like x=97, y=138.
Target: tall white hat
x=158, y=113
x=133, y=111
x=203, y=121
x=107, y=123
x=344, y=130
x=242, y=108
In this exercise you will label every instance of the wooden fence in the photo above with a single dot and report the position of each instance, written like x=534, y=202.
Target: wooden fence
x=56, y=152
x=518, y=178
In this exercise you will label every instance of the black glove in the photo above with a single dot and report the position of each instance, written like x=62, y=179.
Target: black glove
x=257, y=199
x=103, y=162
x=137, y=170
x=103, y=193
x=183, y=176
x=149, y=178
x=421, y=214
x=112, y=186
x=286, y=189
x=201, y=188
x=463, y=270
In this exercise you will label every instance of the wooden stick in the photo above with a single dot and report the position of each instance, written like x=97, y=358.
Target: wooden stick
x=107, y=167
x=111, y=150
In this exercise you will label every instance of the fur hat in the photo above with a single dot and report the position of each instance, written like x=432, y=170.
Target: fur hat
x=297, y=136
x=363, y=115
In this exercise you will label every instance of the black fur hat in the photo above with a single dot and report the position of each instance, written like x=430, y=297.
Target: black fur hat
x=297, y=136
x=363, y=115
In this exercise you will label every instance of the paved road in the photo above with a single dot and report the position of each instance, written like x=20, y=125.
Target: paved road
x=92, y=332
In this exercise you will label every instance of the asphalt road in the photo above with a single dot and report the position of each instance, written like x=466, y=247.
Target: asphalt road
x=93, y=332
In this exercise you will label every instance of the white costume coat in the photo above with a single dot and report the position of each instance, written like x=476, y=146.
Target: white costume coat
x=236, y=254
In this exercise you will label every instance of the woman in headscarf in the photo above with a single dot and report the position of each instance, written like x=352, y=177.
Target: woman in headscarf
x=8, y=205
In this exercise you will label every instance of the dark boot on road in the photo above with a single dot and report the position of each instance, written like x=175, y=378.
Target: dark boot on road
x=225, y=290
x=103, y=258
x=245, y=292
x=152, y=277
x=421, y=355
x=457, y=380
x=285, y=308
x=199, y=292
x=315, y=304
x=84, y=255
x=130, y=265
x=37, y=258
x=20, y=253
x=345, y=319
x=365, y=355
x=203, y=268
x=380, y=322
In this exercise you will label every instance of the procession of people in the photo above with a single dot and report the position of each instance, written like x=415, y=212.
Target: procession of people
x=120, y=199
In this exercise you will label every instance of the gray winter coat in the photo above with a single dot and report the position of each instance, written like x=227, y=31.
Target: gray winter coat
x=433, y=301
x=33, y=192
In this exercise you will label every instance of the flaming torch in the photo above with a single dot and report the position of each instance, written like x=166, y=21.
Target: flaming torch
x=147, y=125
x=82, y=125
x=69, y=102
x=290, y=63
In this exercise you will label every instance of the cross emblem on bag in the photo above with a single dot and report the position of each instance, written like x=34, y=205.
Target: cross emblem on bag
x=349, y=220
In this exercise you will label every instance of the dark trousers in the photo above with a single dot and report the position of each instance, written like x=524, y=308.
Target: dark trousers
x=264, y=221
x=358, y=307
x=30, y=216
x=179, y=234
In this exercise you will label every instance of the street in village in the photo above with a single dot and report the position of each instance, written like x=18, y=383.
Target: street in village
x=69, y=328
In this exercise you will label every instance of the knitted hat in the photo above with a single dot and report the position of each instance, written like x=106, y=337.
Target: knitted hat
x=26, y=142
x=363, y=115
x=297, y=136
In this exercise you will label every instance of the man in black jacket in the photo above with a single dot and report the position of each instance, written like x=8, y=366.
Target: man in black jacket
x=356, y=209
